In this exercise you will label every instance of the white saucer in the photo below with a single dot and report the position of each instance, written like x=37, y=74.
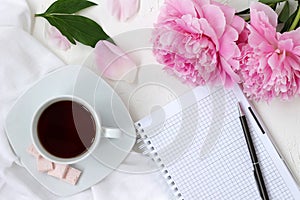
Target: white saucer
x=81, y=82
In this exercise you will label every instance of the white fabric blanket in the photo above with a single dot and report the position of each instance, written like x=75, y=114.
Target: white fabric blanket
x=23, y=61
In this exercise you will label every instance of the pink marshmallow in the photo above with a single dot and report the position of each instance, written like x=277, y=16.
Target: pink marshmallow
x=32, y=150
x=59, y=170
x=72, y=176
x=44, y=165
x=64, y=172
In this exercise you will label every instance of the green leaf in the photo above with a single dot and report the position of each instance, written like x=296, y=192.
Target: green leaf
x=68, y=6
x=76, y=27
x=295, y=23
x=285, y=13
x=244, y=12
x=271, y=1
x=289, y=22
x=273, y=6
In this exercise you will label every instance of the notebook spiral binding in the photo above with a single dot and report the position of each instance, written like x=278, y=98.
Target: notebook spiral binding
x=144, y=143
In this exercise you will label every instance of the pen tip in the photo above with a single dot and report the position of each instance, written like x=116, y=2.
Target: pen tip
x=240, y=109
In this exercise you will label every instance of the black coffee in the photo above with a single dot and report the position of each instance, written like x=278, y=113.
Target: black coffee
x=66, y=129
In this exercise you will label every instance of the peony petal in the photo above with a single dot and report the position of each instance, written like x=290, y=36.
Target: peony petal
x=228, y=11
x=273, y=62
x=113, y=63
x=229, y=76
x=286, y=44
x=123, y=9
x=257, y=40
x=198, y=6
x=257, y=7
x=201, y=3
x=175, y=9
x=243, y=36
x=215, y=17
x=264, y=21
x=294, y=35
x=57, y=39
x=209, y=31
x=190, y=24
x=179, y=7
x=294, y=64
x=238, y=24
x=227, y=44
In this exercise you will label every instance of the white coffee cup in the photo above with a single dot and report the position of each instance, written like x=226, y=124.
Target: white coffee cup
x=100, y=131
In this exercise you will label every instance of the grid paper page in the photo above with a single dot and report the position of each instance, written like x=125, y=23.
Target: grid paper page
x=204, y=150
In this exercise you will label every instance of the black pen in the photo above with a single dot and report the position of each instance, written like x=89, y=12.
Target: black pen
x=257, y=172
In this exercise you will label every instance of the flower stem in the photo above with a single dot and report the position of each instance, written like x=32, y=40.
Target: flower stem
x=296, y=20
x=39, y=15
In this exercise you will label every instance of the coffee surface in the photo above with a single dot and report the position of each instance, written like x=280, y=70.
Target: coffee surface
x=66, y=129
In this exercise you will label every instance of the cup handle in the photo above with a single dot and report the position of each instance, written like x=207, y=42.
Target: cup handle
x=109, y=132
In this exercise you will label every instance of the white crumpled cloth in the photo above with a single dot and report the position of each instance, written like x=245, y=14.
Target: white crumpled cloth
x=23, y=61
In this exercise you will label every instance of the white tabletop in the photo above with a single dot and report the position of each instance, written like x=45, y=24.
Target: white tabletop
x=154, y=88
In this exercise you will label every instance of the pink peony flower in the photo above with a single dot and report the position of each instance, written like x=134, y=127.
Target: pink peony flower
x=57, y=39
x=123, y=9
x=270, y=61
x=196, y=41
x=113, y=63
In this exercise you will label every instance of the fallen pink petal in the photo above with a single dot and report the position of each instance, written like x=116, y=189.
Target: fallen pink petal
x=123, y=10
x=57, y=39
x=113, y=63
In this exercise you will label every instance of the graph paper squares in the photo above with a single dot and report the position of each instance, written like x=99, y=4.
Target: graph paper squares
x=223, y=172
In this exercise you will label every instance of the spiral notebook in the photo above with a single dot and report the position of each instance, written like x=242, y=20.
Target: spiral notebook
x=198, y=145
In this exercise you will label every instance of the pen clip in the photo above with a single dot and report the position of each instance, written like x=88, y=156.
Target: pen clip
x=256, y=120
x=257, y=184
